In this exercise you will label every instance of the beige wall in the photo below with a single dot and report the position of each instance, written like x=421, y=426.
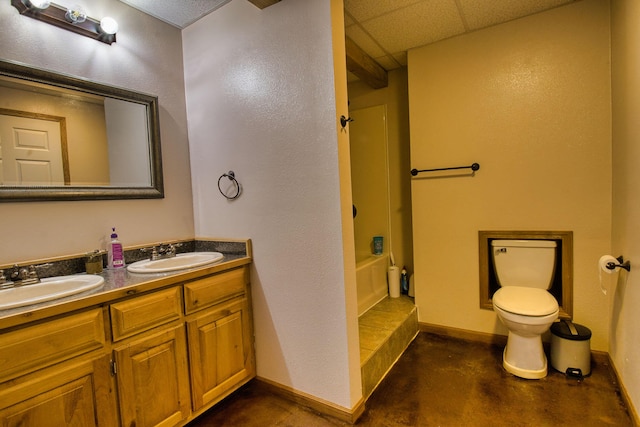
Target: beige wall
x=395, y=97
x=530, y=101
x=144, y=59
x=624, y=345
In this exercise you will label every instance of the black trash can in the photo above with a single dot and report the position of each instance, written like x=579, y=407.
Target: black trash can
x=571, y=348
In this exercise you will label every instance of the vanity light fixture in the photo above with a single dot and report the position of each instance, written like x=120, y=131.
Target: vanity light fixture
x=70, y=18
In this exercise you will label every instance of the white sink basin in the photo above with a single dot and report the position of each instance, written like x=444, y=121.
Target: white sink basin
x=179, y=262
x=48, y=289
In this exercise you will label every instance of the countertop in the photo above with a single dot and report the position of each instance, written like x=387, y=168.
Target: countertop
x=118, y=284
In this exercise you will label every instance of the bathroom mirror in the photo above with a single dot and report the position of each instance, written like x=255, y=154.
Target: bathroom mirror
x=67, y=138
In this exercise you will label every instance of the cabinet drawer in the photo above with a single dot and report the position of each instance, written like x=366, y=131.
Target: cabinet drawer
x=206, y=292
x=142, y=313
x=38, y=346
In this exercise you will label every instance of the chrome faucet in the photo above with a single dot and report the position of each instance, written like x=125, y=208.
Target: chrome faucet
x=20, y=276
x=163, y=250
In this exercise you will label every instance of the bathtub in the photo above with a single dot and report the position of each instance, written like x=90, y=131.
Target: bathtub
x=371, y=281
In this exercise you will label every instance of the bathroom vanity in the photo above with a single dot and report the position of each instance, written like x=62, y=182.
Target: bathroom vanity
x=148, y=350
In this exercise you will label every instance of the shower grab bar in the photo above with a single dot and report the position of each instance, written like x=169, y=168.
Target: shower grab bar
x=474, y=167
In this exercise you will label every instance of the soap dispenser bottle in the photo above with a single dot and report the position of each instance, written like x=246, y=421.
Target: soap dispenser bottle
x=115, y=254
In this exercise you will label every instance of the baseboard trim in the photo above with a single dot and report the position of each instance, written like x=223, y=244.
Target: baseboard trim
x=319, y=405
x=633, y=414
x=463, y=334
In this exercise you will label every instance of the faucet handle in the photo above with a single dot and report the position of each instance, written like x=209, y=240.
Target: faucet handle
x=153, y=250
x=172, y=249
x=15, y=273
x=32, y=273
x=167, y=248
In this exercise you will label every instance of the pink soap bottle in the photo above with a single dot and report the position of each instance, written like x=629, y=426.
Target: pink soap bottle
x=115, y=254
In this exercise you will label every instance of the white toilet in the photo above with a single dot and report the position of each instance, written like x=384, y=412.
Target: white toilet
x=524, y=269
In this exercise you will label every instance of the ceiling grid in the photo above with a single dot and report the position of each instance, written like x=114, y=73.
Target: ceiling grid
x=383, y=29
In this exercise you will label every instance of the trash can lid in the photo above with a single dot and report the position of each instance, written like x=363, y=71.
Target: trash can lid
x=571, y=331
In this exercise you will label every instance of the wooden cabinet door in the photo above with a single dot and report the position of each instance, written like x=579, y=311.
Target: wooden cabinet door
x=220, y=350
x=153, y=379
x=74, y=393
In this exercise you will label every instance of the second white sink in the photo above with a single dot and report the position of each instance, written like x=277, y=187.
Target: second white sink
x=48, y=289
x=179, y=262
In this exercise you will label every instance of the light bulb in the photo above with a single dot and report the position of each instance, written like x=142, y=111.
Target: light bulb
x=40, y=4
x=108, y=25
x=75, y=14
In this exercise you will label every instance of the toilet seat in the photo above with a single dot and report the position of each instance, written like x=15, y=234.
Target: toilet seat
x=525, y=301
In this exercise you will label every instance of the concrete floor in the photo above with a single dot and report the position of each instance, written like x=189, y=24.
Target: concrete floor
x=441, y=381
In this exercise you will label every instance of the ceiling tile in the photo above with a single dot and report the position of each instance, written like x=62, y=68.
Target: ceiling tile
x=416, y=25
x=177, y=13
x=483, y=13
x=364, y=41
x=363, y=10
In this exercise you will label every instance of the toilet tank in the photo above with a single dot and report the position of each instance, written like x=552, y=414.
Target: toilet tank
x=528, y=263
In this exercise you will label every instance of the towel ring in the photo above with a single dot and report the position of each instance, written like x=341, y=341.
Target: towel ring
x=232, y=177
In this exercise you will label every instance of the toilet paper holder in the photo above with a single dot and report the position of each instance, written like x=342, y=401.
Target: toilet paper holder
x=622, y=264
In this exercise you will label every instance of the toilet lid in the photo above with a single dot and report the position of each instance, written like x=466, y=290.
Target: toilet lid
x=525, y=301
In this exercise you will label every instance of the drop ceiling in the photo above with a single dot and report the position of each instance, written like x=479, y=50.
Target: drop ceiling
x=179, y=13
x=384, y=29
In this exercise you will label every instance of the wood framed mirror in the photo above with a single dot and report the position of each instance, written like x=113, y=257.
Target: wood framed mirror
x=68, y=138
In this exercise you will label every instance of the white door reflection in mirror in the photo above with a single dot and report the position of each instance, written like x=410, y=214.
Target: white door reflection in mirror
x=32, y=152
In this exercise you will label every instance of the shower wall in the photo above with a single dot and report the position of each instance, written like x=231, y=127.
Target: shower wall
x=369, y=178
x=395, y=98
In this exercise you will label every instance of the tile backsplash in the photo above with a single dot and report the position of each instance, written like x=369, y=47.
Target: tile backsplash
x=75, y=265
